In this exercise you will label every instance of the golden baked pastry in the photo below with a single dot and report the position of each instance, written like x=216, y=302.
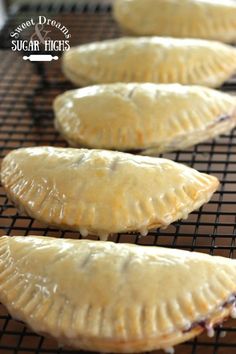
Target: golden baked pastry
x=150, y=117
x=150, y=59
x=114, y=297
x=207, y=19
x=101, y=192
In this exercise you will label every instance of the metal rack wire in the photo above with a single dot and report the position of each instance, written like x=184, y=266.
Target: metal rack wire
x=27, y=91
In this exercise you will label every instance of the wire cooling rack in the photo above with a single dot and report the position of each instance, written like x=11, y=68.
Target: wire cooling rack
x=26, y=119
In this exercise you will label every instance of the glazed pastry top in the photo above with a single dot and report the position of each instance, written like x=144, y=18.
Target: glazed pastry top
x=100, y=191
x=143, y=116
x=111, y=295
x=207, y=19
x=150, y=59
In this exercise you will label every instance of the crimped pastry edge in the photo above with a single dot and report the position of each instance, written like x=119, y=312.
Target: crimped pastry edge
x=128, y=345
x=104, y=234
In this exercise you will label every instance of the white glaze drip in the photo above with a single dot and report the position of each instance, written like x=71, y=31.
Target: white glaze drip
x=143, y=232
x=210, y=331
x=187, y=327
x=83, y=231
x=232, y=298
x=170, y=350
x=222, y=334
x=233, y=312
x=104, y=236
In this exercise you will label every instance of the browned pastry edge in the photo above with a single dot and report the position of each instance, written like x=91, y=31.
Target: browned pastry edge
x=148, y=344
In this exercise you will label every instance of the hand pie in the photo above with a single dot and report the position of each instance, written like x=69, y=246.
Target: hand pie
x=102, y=192
x=114, y=297
x=207, y=19
x=149, y=117
x=154, y=59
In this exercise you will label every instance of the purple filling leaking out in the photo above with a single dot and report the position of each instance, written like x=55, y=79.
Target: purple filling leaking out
x=222, y=118
x=205, y=323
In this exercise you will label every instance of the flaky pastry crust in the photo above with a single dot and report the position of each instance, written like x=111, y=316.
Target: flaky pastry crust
x=206, y=19
x=150, y=59
x=144, y=117
x=102, y=192
x=109, y=297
